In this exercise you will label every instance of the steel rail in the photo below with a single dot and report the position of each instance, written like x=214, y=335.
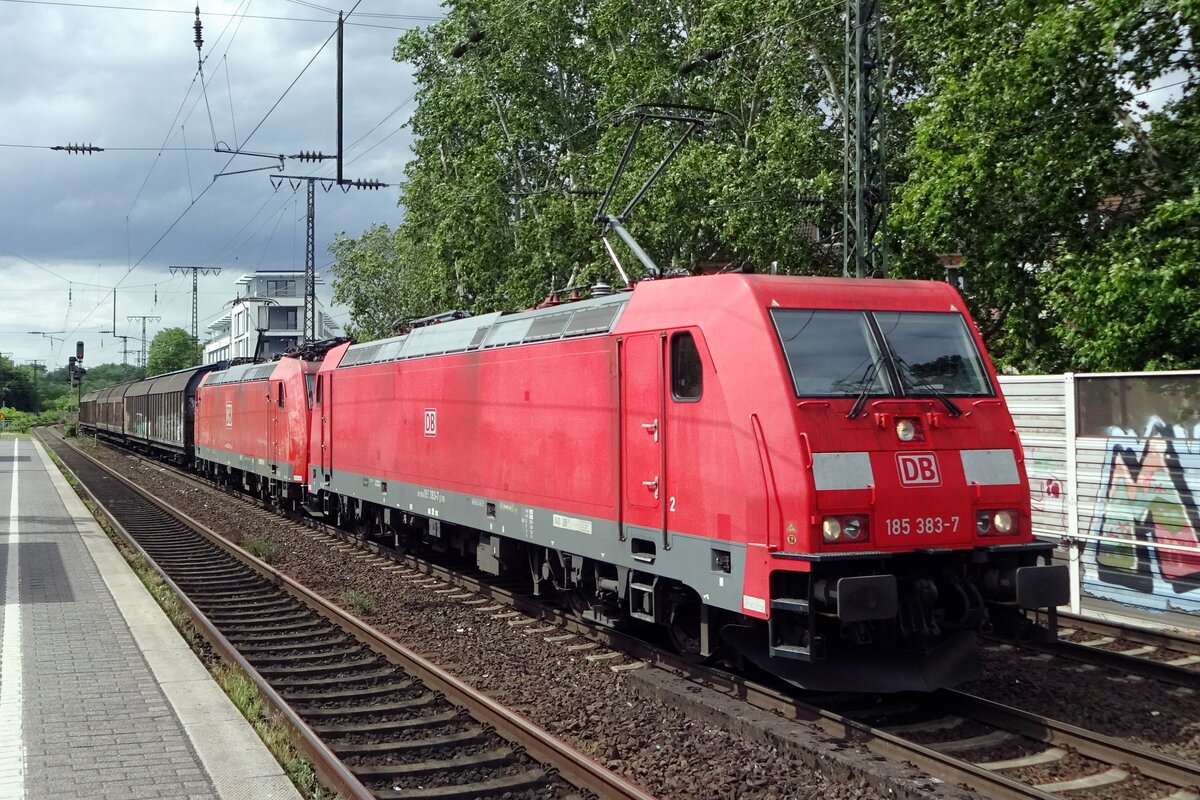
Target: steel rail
x=1114, y=659
x=1134, y=633
x=575, y=767
x=1168, y=769
x=1119, y=662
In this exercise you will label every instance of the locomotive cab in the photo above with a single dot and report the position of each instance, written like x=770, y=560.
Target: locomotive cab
x=905, y=515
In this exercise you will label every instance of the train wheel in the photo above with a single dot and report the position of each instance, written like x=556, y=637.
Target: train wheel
x=684, y=628
x=362, y=526
x=577, y=601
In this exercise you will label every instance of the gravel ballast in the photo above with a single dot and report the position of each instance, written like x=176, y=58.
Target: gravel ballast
x=673, y=738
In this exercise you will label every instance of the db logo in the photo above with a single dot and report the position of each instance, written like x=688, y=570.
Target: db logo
x=431, y=422
x=228, y=414
x=918, y=469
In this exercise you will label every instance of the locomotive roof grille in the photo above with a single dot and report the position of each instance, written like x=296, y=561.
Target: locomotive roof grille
x=242, y=374
x=550, y=326
x=363, y=355
x=583, y=318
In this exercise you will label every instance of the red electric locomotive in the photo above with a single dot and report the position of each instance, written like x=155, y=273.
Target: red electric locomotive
x=252, y=427
x=819, y=474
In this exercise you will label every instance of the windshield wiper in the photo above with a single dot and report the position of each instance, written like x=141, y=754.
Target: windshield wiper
x=920, y=383
x=868, y=380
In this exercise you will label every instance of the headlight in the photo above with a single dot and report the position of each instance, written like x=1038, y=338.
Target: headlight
x=853, y=529
x=996, y=523
x=844, y=529
x=906, y=430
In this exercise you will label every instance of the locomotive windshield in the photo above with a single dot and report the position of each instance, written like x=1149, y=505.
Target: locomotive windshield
x=852, y=353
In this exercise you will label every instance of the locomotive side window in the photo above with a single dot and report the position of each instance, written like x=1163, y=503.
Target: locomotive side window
x=687, y=371
x=934, y=352
x=830, y=353
x=310, y=381
x=281, y=395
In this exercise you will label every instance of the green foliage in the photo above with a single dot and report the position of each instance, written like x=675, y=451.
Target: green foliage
x=57, y=395
x=15, y=420
x=17, y=388
x=104, y=375
x=1029, y=159
x=172, y=349
x=514, y=138
x=1018, y=135
x=1131, y=303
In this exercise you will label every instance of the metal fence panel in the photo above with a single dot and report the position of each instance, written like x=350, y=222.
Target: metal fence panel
x=1129, y=455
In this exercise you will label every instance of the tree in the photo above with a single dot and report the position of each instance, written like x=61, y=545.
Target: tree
x=103, y=375
x=1018, y=135
x=1027, y=147
x=171, y=349
x=1131, y=303
x=383, y=281
x=55, y=391
x=16, y=388
x=519, y=130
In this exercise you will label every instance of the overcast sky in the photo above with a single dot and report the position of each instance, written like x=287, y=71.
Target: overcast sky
x=125, y=78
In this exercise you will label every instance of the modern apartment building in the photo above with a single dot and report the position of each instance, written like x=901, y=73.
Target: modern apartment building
x=270, y=303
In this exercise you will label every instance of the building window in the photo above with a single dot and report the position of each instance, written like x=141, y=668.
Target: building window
x=282, y=319
x=281, y=288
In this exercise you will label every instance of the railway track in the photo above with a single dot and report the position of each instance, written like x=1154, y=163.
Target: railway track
x=1016, y=754
x=998, y=751
x=1154, y=655
x=377, y=720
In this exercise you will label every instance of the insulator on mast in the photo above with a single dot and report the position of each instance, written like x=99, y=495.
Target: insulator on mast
x=199, y=27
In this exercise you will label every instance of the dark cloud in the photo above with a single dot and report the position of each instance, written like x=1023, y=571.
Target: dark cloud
x=126, y=80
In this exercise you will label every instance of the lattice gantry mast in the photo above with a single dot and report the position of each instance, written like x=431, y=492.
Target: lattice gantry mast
x=196, y=273
x=863, y=235
x=144, y=318
x=310, y=269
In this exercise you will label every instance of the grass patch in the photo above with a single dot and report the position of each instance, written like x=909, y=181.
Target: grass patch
x=271, y=728
x=359, y=602
x=260, y=547
x=167, y=600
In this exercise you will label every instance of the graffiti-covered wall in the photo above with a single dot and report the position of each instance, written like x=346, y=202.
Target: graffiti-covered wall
x=1114, y=470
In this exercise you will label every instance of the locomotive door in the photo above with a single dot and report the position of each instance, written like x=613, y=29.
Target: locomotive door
x=325, y=401
x=276, y=432
x=642, y=426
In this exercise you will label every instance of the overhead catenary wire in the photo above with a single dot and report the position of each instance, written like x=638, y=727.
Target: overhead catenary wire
x=267, y=17
x=208, y=186
x=195, y=198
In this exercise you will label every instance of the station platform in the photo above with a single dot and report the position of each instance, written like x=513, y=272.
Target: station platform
x=99, y=695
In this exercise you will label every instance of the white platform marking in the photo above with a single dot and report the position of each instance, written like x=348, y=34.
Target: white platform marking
x=12, y=744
